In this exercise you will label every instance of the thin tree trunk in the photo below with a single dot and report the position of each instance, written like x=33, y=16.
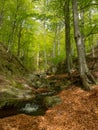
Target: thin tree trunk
x=45, y=51
x=58, y=40
x=19, y=40
x=93, y=49
x=37, y=58
x=91, y=41
x=54, y=44
x=85, y=74
x=82, y=29
x=2, y=12
x=58, y=46
x=67, y=36
x=12, y=34
x=44, y=38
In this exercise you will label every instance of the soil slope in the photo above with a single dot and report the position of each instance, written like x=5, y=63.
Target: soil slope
x=10, y=64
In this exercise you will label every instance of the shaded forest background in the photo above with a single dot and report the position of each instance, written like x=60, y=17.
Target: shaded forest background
x=48, y=57
x=35, y=31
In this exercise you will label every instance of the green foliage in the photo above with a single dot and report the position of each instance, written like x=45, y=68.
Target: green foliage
x=58, y=59
x=33, y=29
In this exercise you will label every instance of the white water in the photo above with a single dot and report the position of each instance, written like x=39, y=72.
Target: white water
x=29, y=108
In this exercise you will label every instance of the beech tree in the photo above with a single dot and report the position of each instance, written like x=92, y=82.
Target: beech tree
x=40, y=32
x=67, y=36
x=85, y=74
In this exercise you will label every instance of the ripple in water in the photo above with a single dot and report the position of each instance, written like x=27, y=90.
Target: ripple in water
x=30, y=108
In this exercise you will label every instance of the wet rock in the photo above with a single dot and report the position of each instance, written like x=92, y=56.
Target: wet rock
x=37, y=80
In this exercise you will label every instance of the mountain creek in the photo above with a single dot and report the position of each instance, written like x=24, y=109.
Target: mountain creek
x=50, y=102
x=33, y=97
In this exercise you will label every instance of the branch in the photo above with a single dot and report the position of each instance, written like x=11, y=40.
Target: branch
x=88, y=5
x=91, y=31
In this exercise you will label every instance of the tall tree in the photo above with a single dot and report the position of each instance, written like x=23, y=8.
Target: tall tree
x=85, y=73
x=67, y=36
x=2, y=11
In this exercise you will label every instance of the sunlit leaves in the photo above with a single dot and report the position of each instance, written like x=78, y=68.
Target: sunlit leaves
x=39, y=21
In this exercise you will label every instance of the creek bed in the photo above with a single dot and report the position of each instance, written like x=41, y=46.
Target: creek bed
x=38, y=106
x=30, y=108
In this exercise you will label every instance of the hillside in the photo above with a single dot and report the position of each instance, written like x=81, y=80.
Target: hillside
x=10, y=64
x=13, y=87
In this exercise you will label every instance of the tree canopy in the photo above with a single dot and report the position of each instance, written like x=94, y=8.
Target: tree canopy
x=36, y=30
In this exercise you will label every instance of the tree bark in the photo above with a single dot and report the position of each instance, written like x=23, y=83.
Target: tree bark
x=67, y=36
x=85, y=74
x=2, y=12
x=82, y=29
x=91, y=41
x=13, y=28
x=54, y=43
x=19, y=41
x=44, y=38
x=38, y=58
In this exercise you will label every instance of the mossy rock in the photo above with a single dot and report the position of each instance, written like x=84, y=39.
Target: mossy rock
x=11, y=96
x=50, y=101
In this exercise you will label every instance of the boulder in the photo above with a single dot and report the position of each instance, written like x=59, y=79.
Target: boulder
x=13, y=96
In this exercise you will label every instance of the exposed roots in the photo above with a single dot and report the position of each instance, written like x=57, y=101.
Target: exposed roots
x=91, y=78
x=87, y=80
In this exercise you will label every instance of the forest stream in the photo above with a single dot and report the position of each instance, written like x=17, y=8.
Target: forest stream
x=35, y=107
x=28, y=108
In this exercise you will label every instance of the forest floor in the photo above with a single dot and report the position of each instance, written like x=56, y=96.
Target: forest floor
x=78, y=110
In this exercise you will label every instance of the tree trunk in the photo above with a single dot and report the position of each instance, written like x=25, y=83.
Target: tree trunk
x=13, y=30
x=2, y=12
x=58, y=39
x=67, y=36
x=38, y=58
x=54, y=43
x=85, y=75
x=82, y=29
x=19, y=40
x=44, y=37
x=58, y=46
x=91, y=41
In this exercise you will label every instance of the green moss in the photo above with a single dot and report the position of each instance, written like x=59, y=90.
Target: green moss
x=51, y=101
